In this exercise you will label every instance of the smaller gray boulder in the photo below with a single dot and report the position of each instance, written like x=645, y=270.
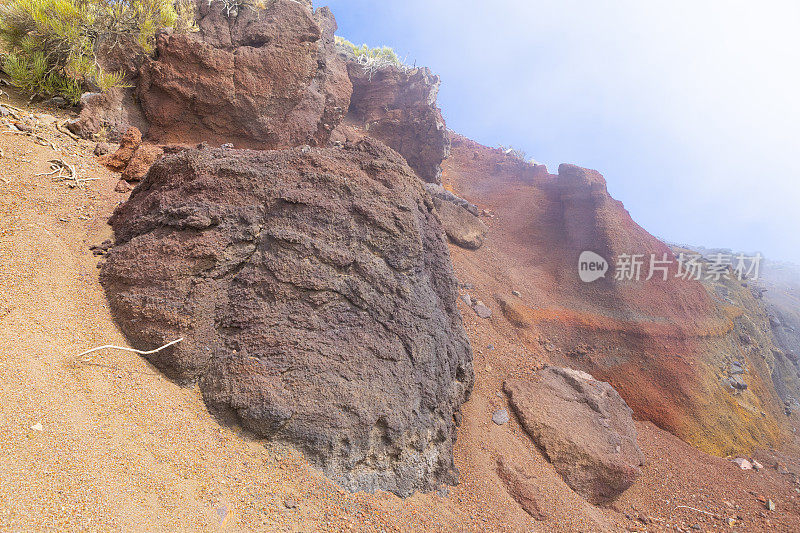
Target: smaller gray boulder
x=737, y=368
x=738, y=383
x=437, y=191
x=584, y=428
x=481, y=310
x=462, y=227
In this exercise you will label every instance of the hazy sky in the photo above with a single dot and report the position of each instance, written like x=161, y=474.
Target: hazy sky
x=690, y=109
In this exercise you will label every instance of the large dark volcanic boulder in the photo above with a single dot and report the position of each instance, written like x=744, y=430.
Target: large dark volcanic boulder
x=317, y=300
x=584, y=428
x=398, y=107
x=259, y=78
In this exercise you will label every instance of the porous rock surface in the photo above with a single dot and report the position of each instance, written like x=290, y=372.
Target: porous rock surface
x=584, y=428
x=398, y=107
x=315, y=294
x=257, y=77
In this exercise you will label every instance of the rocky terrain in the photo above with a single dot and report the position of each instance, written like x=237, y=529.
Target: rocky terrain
x=398, y=107
x=280, y=216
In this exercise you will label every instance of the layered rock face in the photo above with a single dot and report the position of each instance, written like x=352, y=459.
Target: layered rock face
x=259, y=78
x=665, y=344
x=398, y=106
x=584, y=428
x=316, y=297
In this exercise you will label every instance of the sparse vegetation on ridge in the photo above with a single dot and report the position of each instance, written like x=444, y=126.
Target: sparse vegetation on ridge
x=372, y=59
x=51, y=44
x=517, y=153
x=379, y=53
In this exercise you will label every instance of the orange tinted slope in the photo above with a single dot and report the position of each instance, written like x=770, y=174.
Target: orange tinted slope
x=660, y=342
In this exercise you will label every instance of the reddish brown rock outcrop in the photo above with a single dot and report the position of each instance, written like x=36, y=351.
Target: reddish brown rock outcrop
x=259, y=78
x=398, y=107
x=109, y=114
x=584, y=428
x=112, y=112
x=141, y=161
x=315, y=294
x=128, y=146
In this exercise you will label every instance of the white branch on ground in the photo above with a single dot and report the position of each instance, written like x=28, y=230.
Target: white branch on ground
x=695, y=509
x=140, y=352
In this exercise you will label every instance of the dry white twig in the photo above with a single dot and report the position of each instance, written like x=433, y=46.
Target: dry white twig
x=140, y=352
x=45, y=142
x=695, y=509
x=64, y=171
x=12, y=108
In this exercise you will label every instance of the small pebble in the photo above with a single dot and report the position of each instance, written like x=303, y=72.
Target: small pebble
x=500, y=417
x=222, y=513
x=481, y=310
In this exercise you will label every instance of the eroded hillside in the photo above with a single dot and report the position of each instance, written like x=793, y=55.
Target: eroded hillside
x=340, y=365
x=665, y=345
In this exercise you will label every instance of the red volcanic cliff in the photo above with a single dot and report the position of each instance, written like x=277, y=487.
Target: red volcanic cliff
x=398, y=107
x=660, y=343
x=265, y=78
x=273, y=78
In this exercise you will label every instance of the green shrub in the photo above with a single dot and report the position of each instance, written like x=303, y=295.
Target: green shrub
x=51, y=43
x=364, y=54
